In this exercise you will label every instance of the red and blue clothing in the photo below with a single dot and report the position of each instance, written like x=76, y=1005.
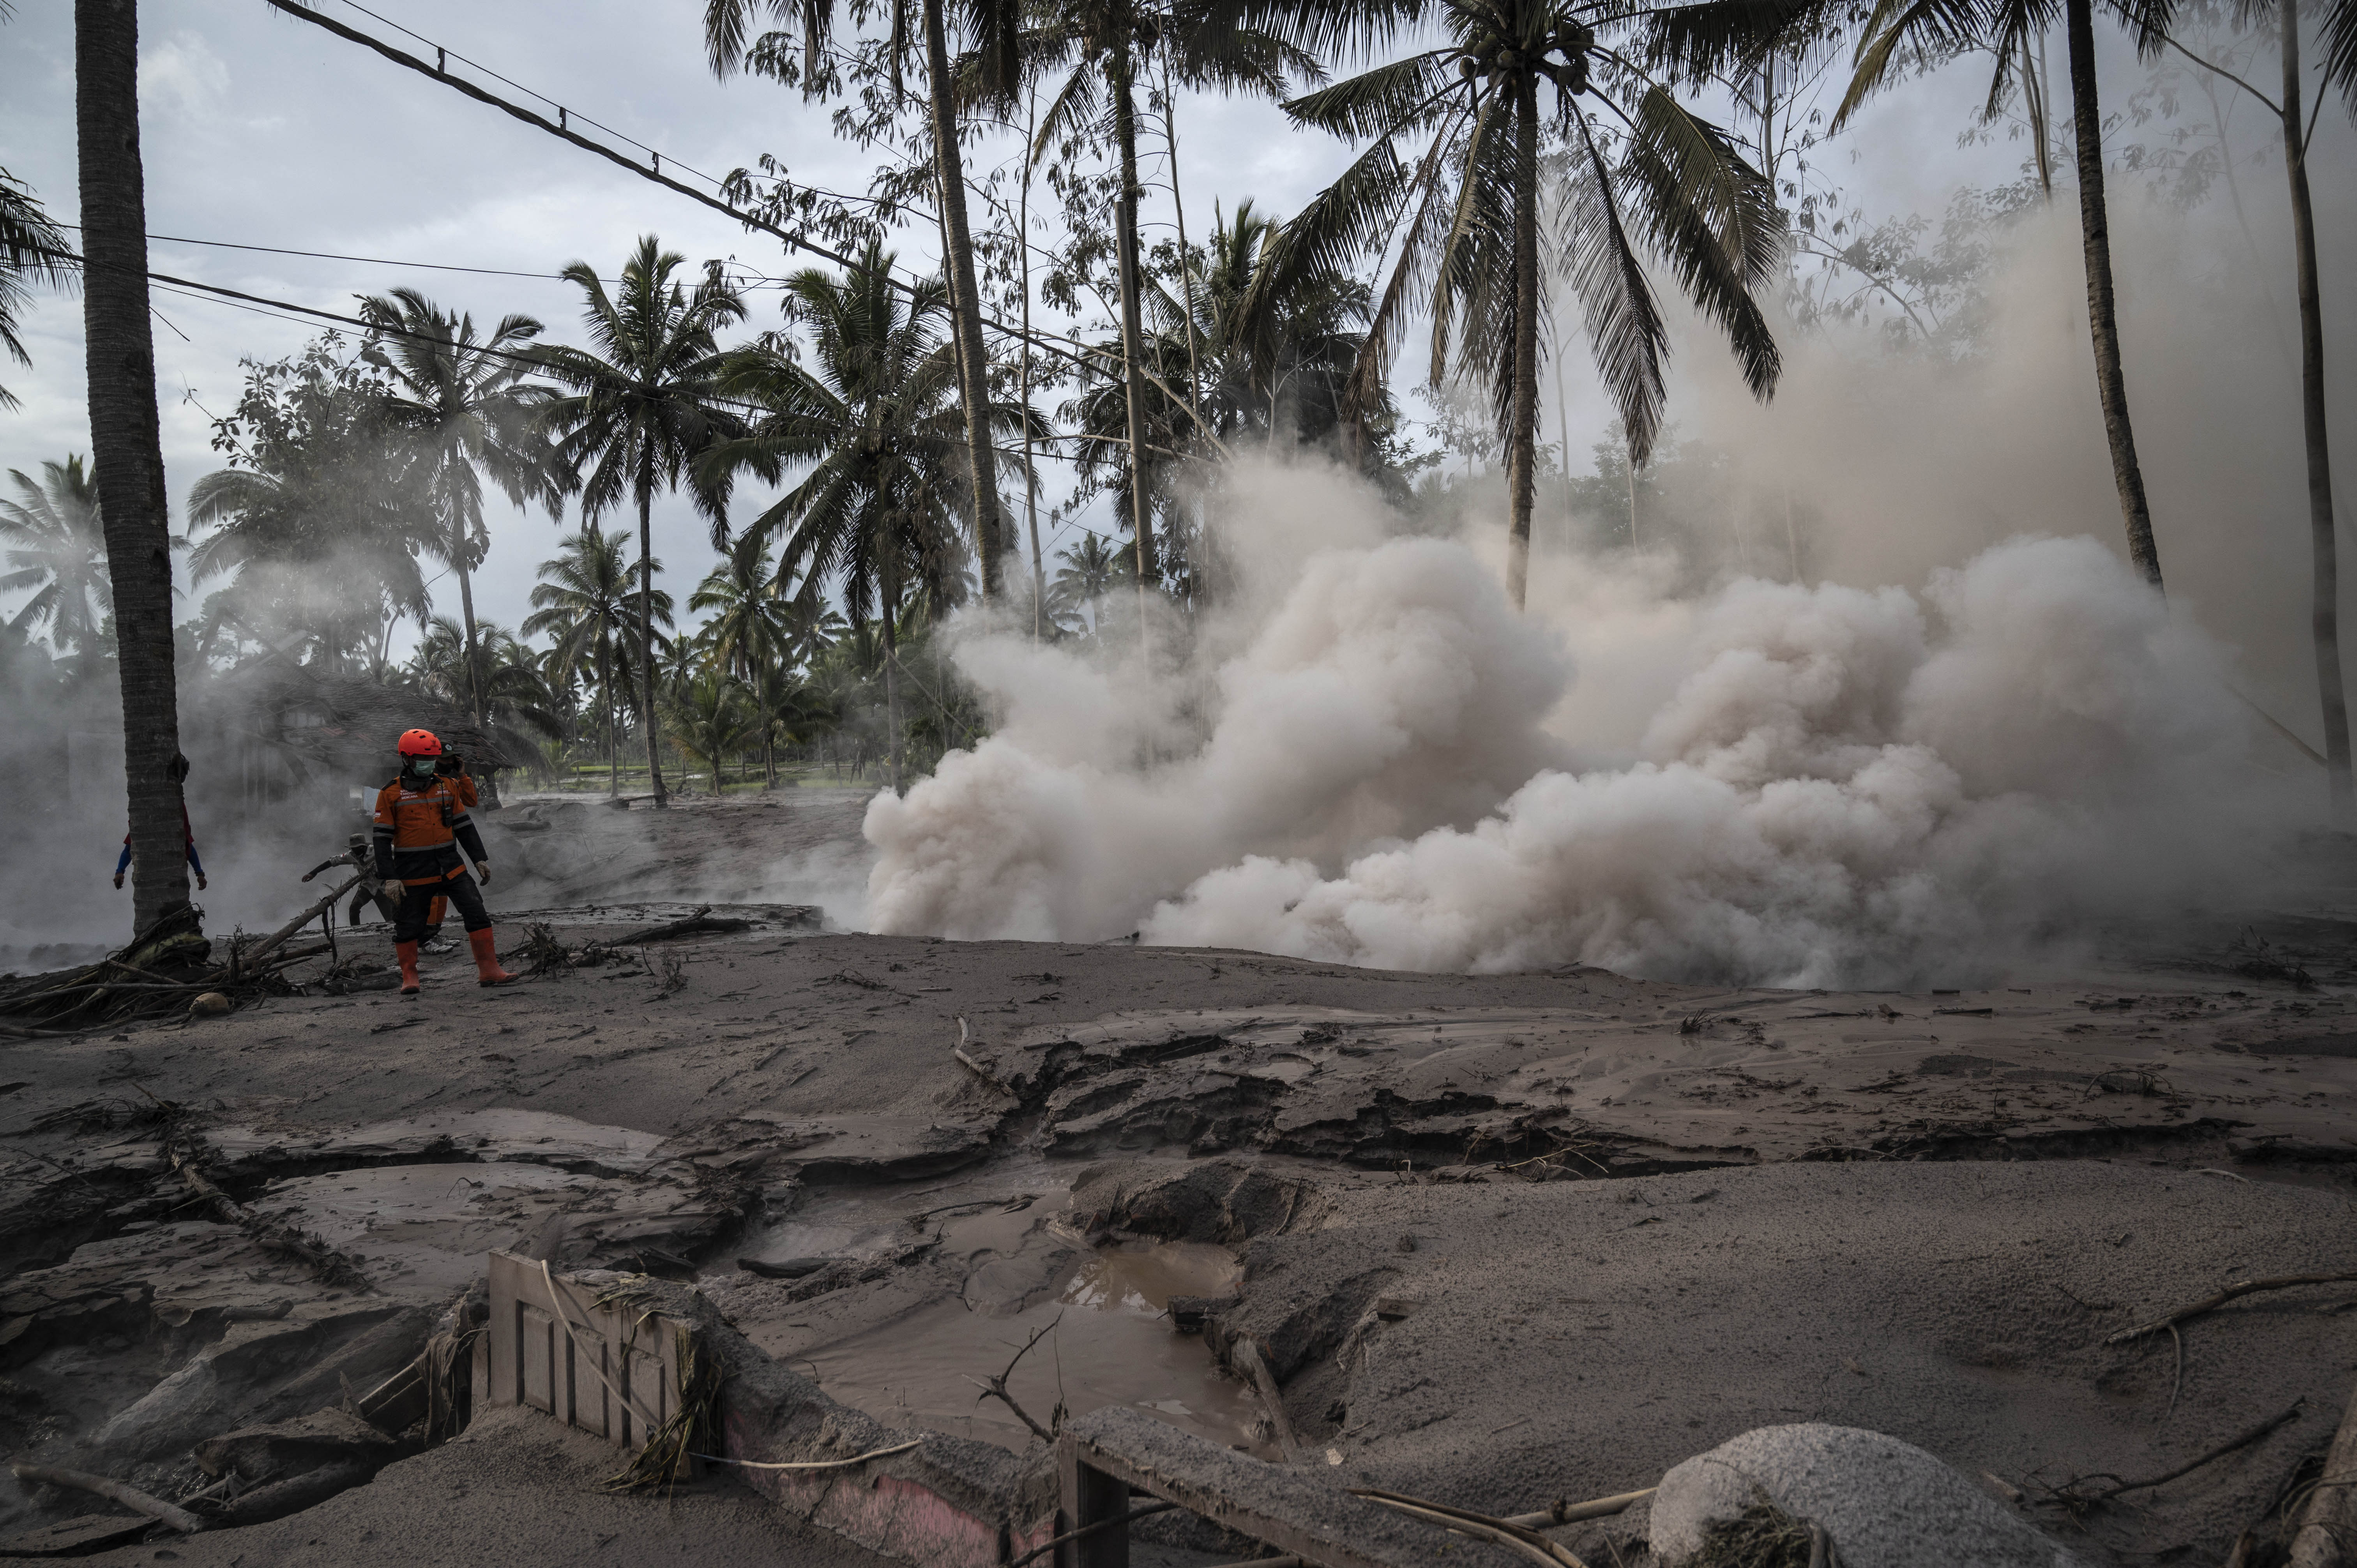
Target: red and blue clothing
x=189, y=834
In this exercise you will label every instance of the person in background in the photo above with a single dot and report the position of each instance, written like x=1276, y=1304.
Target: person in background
x=179, y=772
x=422, y=824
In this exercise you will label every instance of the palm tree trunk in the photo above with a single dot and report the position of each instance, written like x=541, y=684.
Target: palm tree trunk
x=606, y=690
x=467, y=607
x=891, y=680
x=2094, y=224
x=1186, y=257
x=966, y=303
x=1133, y=351
x=647, y=636
x=1031, y=475
x=126, y=447
x=2325, y=612
x=2033, y=98
x=1522, y=409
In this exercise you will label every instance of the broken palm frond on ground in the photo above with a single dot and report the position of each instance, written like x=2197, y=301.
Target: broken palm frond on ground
x=1765, y=1536
x=2233, y=1291
x=168, y=969
x=186, y=1150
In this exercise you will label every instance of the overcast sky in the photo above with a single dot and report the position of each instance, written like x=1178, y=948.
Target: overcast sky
x=264, y=131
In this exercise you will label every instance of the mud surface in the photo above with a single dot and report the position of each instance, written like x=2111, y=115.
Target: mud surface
x=1504, y=1239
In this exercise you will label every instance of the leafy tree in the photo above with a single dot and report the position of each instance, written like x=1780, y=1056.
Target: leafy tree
x=319, y=519
x=1465, y=212
x=990, y=25
x=471, y=412
x=582, y=601
x=56, y=547
x=1091, y=568
x=645, y=404
x=870, y=426
x=32, y=250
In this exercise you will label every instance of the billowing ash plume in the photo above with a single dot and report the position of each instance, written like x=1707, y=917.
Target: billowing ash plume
x=1384, y=766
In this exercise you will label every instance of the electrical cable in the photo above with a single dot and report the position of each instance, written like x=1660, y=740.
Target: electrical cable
x=749, y=279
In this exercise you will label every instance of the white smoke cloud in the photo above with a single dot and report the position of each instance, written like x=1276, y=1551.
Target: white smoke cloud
x=1844, y=786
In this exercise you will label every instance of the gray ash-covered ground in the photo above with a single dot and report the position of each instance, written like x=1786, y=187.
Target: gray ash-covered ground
x=1506, y=1238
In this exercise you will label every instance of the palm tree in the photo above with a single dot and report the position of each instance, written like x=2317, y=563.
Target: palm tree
x=1091, y=569
x=990, y=25
x=32, y=249
x=1465, y=212
x=786, y=707
x=516, y=694
x=645, y=404
x=126, y=447
x=471, y=412
x=869, y=421
x=582, y=601
x=710, y=719
x=749, y=628
x=1103, y=45
x=57, y=546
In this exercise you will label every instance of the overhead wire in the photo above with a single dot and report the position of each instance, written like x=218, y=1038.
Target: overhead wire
x=1065, y=348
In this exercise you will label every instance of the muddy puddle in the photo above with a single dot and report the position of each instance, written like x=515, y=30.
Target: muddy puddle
x=1002, y=1269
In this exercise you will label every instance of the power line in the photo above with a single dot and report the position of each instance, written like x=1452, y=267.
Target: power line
x=1064, y=348
x=746, y=279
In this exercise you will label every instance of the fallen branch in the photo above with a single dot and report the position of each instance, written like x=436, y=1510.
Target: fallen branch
x=1504, y=1532
x=331, y=1266
x=1141, y=1511
x=1248, y=1356
x=1572, y=1513
x=131, y=1497
x=996, y=1388
x=974, y=1066
x=2073, y=1493
x=694, y=925
x=2231, y=1293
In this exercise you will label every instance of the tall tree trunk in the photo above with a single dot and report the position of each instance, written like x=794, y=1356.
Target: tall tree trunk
x=2325, y=612
x=1030, y=468
x=2102, y=317
x=606, y=690
x=1186, y=257
x=467, y=607
x=966, y=303
x=1522, y=410
x=892, y=674
x=1133, y=337
x=2033, y=98
x=647, y=638
x=126, y=445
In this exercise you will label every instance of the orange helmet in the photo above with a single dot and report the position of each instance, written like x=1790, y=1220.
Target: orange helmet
x=420, y=743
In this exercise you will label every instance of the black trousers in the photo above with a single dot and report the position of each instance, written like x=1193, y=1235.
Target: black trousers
x=417, y=899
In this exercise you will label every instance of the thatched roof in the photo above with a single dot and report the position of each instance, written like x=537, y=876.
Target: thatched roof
x=345, y=727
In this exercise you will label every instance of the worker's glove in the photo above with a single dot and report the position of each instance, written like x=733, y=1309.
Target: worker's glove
x=394, y=891
x=483, y=871
x=118, y=879
x=201, y=883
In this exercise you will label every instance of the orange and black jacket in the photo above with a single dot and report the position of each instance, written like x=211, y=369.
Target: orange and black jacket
x=420, y=829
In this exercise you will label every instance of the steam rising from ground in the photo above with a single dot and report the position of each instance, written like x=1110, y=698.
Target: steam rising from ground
x=1384, y=766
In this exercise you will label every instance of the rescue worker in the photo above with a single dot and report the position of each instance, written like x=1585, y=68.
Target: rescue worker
x=421, y=825
x=452, y=767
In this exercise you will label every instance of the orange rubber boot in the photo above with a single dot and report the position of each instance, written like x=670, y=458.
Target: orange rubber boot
x=407, y=954
x=487, y=959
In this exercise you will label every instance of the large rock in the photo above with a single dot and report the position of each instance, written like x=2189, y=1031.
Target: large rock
x=1887, y=1504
